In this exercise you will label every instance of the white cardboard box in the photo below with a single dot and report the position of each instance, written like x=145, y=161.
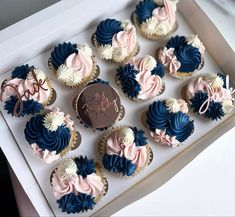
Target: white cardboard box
x=62, y=21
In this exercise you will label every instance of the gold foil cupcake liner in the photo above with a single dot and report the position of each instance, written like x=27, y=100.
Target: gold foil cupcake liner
x=154, y=36
x=178, y=74
x=98, y=173
x=102, y=150
x=93, y=75
x=131, y=55
x=135, y=99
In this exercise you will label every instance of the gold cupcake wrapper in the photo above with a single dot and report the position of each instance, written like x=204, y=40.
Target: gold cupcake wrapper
x=98, y=173
x=135, y=99
x=178, y=74
x=102, y=150
x=155, y=36
x=93, y=75
x=144, y=122
x=130, y=56
x=120, y=115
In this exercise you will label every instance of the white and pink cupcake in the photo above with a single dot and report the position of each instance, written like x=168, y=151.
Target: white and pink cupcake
x=78, y=184
x=73, y=64
x=141, y=78
x=51, y=134
x=115, y=41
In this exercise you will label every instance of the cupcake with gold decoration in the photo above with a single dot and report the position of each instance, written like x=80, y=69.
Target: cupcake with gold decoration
x=125, y=151
x=51, y=134
x=115, y=41
x=78, y=184
x=211, y=96
x=156, y=19
x=73, y=64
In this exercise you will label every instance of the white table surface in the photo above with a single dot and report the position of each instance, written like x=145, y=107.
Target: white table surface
x=205, y=187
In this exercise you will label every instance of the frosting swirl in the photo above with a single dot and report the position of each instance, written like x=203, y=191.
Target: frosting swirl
x=144, y=10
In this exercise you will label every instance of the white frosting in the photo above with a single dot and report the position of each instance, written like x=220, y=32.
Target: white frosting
x=66, y=169
x=172, y=105
x=163, y=28
x=149, y=62
x=215, y=81
x=39, y=74
x=68, y=76
x=126, y=25
x=194, y=41
x=149, y=26
x=85, y=48
x=105, y=51
x=53, y=120
x=118, y=55
x=126, y=136
x=227, y=105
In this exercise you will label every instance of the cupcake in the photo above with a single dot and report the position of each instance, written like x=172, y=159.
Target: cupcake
x=141, y=78
x=98, y=106
x=73, y=64
x=26, y=91
x=125, y=150
x=51, y=134
x=156, y=18
x=210, y=96
x=115, y=41
x=182, y=55
x=78, y=184
x=168, y=122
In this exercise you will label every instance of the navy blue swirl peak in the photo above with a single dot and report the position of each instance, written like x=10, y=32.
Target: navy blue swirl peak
x=180, y=126
x=144, y=10
x=176, y=42
x=61, y=52
x=158, y=116
x=106, y=30
x=21, y=71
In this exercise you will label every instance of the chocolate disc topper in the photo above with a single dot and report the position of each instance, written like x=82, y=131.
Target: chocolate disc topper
x=98, y=105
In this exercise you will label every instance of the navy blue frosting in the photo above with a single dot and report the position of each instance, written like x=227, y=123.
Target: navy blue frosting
x=106, y=30
x=180, y=126
x=57, y=140
x=187, y=55
x=61, y=52
x=140, y=138
x=144, y=10
x=126, y=75
x=71, y=203
x=30, y=106
x=158, y=70
x=214, y=111
x=85, y=166
x=117, y=164
x=176, y=124
x=158, y=116
x=21, y=71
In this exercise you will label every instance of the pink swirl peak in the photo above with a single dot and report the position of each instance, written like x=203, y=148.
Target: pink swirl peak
x=169, y=60
x=81, y=63
x=125, y=40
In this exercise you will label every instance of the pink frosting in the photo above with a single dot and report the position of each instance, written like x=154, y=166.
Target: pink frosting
x=138, y=155
x=45, y=155
x=169, y=60
x=183, y=105
x=167, y=12
x=23, y=85
x=160, y=136
x=126, y=40
x=92, y=185
x=195, y=86
x=81, y=62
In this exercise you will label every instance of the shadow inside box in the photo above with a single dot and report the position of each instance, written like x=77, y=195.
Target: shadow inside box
x=8, y=205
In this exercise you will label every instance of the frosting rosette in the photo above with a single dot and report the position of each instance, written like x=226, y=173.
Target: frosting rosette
x=156, y=19
x=115, y=41
x=50, y=134
x=78, y=184
x=73, y=64
x=168, y=121
x=141, y=78
x=26, y=91
x=211, y=96
x=125, y=151
x=182, y=55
